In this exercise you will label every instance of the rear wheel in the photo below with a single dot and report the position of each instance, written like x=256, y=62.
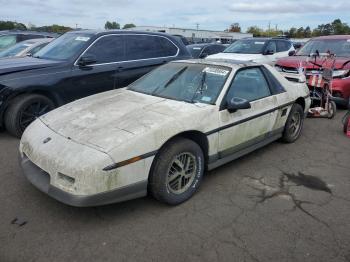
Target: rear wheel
x=346, y=124
x=177, y=171
x=23, y=110
x=332, y=109
x=294, y=124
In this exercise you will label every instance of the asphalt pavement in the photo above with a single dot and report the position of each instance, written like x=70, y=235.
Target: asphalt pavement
x=285, y=202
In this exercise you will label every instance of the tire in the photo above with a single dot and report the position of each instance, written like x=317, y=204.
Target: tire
x=346, y=122
x=163, y=184
x=23, y=110
x=332, y=109
x=293, y=127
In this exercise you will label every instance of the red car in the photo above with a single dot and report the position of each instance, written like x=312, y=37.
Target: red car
x=335, y=44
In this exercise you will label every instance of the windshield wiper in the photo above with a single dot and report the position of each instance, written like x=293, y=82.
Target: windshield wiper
x=171, y=80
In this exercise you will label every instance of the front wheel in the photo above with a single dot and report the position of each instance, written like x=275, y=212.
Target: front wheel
x=294, y=124
x=23, y=110
x=177, y=172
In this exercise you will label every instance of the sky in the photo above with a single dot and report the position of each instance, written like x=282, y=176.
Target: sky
x=209, y=14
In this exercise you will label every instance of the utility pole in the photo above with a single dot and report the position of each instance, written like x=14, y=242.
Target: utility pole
x=268, y=31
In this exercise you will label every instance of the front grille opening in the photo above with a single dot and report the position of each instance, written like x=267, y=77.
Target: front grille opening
x=67, y=180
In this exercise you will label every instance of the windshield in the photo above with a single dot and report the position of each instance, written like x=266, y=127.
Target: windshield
x=7, y=41
x=195, y=51
x=340, y=47
x=246, y=46
x=64, y=47
x=193, y=83
x=15, y=50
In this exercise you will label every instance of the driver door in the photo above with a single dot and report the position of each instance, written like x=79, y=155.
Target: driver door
x=247, y=127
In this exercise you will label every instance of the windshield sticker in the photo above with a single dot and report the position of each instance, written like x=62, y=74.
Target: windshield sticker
x=206, y=98
x=216, y=71
x=197, y=48
x=259, y=43
x=82, y=38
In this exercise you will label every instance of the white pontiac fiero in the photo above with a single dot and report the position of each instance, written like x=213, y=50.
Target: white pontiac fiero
x=161, y=133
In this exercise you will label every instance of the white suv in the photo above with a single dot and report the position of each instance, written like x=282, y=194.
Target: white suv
x=259, y=50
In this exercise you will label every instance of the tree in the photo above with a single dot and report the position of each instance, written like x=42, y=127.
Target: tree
x=126, y=26
x=235, y=27
x=9, y=25
x=300, y=32
x=59, y=29
x=307, y=32
x=256, y=31
x=340, y=28
x=112, y=25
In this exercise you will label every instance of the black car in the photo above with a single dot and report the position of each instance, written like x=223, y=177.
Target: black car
x=10, y=38
x=75, y=65
x=203, y=50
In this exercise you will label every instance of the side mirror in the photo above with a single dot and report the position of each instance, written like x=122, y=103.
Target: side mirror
x=291, y=53
x=87, y=60
x=203, y=55
x=237, y=103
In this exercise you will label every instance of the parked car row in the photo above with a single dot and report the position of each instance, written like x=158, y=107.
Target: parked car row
x=25, y=48
x=10, y=38
x=339, y=46
x=167, y=122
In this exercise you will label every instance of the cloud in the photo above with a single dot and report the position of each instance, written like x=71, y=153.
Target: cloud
x=217, y=15
x=296, y=7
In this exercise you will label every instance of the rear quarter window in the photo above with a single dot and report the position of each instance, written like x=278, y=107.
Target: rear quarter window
x=283, y=46
x=147, y=46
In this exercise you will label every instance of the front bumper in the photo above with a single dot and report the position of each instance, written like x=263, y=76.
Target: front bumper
x=41, y=179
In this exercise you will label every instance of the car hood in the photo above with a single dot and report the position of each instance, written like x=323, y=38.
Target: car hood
x=15, y=64
x=235, y=56
x=106, y=120
x=294, y=62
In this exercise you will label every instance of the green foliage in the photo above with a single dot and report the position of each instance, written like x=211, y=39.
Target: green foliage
x=258, y=32
x=9, y=25
x=126, y=26
x=112, y=25
x=59, y=29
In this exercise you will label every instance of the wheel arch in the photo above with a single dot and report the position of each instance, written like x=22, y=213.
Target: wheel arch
x=197, y=136
x=301, y=101
x=51, y=95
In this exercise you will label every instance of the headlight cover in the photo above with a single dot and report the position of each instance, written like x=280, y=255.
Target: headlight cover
x=278, y=68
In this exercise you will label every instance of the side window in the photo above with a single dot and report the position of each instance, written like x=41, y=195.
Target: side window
x=271, y=47
x=167, y=48
x=219, y=48
x=107, y=49
x=209, y=50
x=283, y=46
x=7, y=41
x=147, y=46
x=249, y=84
